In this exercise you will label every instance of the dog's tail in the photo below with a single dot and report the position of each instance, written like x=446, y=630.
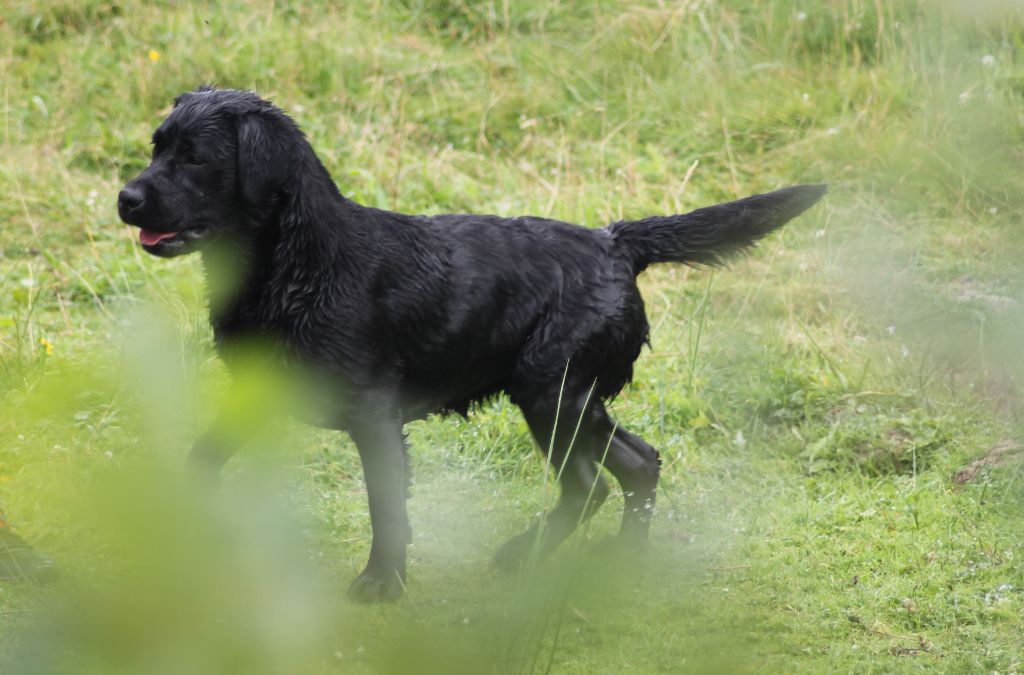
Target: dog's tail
x=709, y=236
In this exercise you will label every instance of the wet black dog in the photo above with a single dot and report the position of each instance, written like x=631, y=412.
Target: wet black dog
x=399, y=316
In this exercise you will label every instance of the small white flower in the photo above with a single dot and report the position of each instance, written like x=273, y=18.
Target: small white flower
x=834, y=131
x=892, y=329
x=993, y=210
x=988, y=60
x=801, y=16
x=964, y=97
x=904, y=351
x=40, y=105
x=818, y=234
x=805, y=96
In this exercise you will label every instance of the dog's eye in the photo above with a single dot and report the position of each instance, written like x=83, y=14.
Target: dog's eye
x=193, y=160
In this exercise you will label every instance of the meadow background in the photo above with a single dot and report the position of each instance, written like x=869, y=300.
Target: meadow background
x=839, y=415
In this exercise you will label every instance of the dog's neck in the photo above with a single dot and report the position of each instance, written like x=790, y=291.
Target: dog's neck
x=308, y=234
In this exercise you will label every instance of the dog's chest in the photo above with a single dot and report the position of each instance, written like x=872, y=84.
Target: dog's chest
x=296, y=328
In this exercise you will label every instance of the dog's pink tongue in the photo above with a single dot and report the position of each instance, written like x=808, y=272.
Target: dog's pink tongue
x=150, y=238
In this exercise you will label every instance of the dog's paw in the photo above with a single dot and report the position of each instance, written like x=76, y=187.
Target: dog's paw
x=513, y=554
x=376, y=585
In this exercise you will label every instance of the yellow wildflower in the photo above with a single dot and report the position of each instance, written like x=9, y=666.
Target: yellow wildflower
x=47, y=345
x=154, y=55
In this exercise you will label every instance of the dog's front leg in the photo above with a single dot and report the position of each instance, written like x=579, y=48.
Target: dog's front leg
x=241, y=418
x=253, y=403
x=214, y=448
x=378, y=435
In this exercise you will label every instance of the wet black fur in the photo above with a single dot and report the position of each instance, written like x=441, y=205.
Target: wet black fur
x=401, y=316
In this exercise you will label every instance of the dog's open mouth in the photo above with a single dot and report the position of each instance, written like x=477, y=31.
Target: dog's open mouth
x=151, y=239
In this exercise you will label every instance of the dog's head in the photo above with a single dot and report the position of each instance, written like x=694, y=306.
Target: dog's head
x=221, y=162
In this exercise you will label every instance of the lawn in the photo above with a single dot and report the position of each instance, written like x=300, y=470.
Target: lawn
x=840, y=414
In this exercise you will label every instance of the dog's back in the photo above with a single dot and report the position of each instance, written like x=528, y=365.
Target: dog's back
x=516, y=299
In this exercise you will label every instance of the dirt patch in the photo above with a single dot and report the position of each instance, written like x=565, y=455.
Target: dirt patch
x=998, y=454
x=993, y=300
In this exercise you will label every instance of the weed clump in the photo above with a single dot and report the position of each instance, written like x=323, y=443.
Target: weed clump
x=879, y=445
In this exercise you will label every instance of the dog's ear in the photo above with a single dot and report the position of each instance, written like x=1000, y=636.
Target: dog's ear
x=264, y=158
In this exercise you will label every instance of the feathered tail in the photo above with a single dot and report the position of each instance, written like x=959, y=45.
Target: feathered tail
x=710, y=235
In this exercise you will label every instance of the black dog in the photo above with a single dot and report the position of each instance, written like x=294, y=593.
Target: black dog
x=395, y=317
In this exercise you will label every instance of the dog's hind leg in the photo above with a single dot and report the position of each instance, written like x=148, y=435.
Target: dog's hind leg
x=636, y=465
x=568, y=443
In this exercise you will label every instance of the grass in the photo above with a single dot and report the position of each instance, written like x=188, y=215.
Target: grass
x=812, y=403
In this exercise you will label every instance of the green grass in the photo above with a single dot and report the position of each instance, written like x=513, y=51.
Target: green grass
x=812, y=403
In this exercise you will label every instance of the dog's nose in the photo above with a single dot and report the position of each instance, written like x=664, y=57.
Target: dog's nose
x=130, y=199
